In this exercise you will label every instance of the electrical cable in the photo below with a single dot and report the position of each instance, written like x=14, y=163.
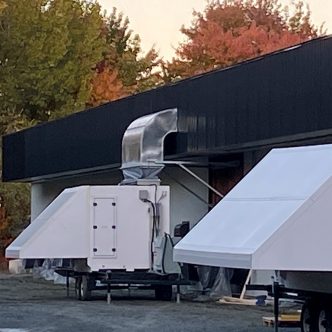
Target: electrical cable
x=155, y=193
x=157, y=209
x=167, y=236
x=163, y=256
x=173, y=245
x=155, y=226
x=171, y=240
x=153, y=229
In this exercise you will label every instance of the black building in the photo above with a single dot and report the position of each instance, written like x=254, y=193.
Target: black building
x=235, y=114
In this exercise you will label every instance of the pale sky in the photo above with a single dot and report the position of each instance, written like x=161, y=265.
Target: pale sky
x=158, y=21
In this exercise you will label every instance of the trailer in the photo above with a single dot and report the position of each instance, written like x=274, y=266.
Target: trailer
x=316, y=304
x=109, y=236
x=98, y=237
x=278, y=219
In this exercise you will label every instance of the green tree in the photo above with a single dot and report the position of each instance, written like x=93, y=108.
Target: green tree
x=57, y=57
x=14, y=212
x=47, y=52
x=123, y=69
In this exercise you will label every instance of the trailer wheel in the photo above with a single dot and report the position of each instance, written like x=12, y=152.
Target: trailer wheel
x=164, y=292
x=84, y=287
x=309, y=318
x=78, y=282
x=325, y=319
x=322, y=320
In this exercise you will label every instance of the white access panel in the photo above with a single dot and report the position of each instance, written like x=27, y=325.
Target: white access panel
x=133, y=225
x=277, y=218
x=104, y=227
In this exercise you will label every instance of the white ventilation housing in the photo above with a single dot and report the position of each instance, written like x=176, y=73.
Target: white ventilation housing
x=279, y=217
x=59, y=231
x=110, y=226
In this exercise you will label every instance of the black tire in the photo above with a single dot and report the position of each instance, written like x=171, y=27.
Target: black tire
x=78, y=281
x=329, y=318
x=83, y=287
x=309, y=317
x=164, y=292
x=325, y=318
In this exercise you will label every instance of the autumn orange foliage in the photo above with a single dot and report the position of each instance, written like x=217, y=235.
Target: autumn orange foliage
x=122, y=71
x=106, y=86
x=231, y=31
x=5, y=237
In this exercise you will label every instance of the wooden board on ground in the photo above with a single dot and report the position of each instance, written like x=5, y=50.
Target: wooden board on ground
x=284, y=320
x=235, y=300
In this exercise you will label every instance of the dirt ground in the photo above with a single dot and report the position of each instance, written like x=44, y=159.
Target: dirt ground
x=28, y=304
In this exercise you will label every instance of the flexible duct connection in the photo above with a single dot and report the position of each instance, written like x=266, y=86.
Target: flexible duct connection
x=143, y=145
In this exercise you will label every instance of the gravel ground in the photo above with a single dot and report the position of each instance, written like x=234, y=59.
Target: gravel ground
x=27, y=304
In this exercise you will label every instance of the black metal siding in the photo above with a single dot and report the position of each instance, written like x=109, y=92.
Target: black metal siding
x=282, y=94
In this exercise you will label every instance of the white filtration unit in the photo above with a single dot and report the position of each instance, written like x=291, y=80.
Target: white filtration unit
x=110, y=226
x=279, y=217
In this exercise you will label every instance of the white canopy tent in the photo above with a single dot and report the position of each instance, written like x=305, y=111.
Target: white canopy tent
x=279, y=217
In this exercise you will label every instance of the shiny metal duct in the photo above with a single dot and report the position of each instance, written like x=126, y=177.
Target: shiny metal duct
x=143, y=145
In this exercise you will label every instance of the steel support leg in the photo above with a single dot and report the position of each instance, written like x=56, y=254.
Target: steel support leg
x=67, y=283
x=276, y=305
x=109, y=298
x=108, y=279
x=178, y=298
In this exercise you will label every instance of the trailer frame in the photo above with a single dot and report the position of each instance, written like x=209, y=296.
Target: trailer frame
x=85, y=282
x=314, y=300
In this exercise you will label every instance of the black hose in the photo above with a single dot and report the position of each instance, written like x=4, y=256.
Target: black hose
x=153, y=229
x=163, y=257
x=172, y=243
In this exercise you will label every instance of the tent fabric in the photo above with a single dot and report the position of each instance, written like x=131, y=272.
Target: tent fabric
x=277, y=217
